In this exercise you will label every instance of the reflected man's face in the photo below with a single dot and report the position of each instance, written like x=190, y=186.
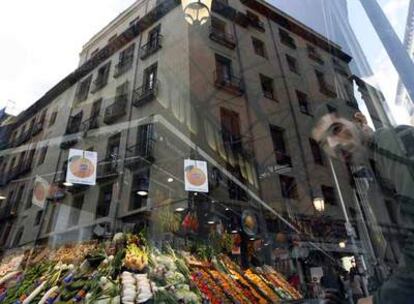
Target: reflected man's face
x=339, y=137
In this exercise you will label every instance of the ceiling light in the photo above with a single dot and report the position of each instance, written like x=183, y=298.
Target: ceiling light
x=342, y=244
x=170, y=180
x=67, y=184
x=2, y=197
x=252, y=239
x=227, y=209
x=234, y=231
x=142, y=193
x=210, y=222
x=180, y=209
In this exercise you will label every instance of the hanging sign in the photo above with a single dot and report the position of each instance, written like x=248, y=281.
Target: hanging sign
x=40, y=192
x=195, y=175
x=82, y=167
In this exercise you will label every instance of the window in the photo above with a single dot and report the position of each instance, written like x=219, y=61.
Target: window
x=278, y=138
x=102, y=77
x=288, y=186
x=259, y=47
x=224, y=69
x=121, y=94
x=112, y=149
x=83, y=89
x=230, y=126
x=75, y=210
x=304, y=105
x=218, y=24
x=292, y=64
x=328, y=194
x=286, y=39
x=255, y=20
x=96, y=108
x=29, y=199
x=267, y=86
x=38, y=217
x=313, y=54
x=19, y=195
x=42, y=155
x=316, y=151
x=153, y=36
x=104, y=202
x=12, y=163
x=324, y=87
x=126, y=58
x=52, y=118
x=145, y=137
x=150, y=77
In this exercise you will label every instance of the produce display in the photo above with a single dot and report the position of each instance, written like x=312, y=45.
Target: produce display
x=130, y=270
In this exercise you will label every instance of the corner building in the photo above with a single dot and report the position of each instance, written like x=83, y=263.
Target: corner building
x=237, y=92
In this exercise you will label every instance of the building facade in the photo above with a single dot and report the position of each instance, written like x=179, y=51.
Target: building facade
x=151, y=91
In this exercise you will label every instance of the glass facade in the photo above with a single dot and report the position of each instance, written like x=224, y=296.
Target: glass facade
x=213, y=152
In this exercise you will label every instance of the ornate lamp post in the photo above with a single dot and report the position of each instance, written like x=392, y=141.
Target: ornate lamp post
x=196, y=11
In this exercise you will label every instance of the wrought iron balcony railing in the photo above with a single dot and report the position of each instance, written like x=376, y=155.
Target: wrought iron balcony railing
x=145, y=94
x=123, y=66
x=151, y=47
x=140, y=154
x=38, y=127
x=116, y=110
x=228, y=82
x=99, y=83
x=108, y=167
x=222, y=37
x=283, y=159
x=24, y=137
x=327, y=89
x=91, y=123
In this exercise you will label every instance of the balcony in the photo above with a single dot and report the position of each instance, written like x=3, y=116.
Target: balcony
x=256, y=23
x=222, y=37
x=26, y=166
x=283, y=159
x=8, y=212
x=315, y=57
x=116, y=110
x=229, y=83
x=151, y=47
x=98, y=84
x=327, y=89
x=73, y=127
x=107, y=168
x=13, y=173
x=145, y=94
x=123, y=66
x=24, y=137
x=140, y=155
x=90, y=124
x=37, y=128
x=352, y=104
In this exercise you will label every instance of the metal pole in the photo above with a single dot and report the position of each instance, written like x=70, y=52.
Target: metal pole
x=392, y=44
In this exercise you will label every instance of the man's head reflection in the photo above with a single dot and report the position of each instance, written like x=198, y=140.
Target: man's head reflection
x=340, y=131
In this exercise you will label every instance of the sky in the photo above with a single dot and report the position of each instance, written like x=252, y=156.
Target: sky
x=41, y=41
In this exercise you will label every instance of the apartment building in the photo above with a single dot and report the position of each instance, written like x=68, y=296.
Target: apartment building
x=152, y=90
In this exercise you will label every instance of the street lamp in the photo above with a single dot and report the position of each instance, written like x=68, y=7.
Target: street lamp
x=319, y=204
x=196, y=11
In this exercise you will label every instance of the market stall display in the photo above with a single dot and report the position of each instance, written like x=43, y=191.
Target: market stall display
x=129, y=270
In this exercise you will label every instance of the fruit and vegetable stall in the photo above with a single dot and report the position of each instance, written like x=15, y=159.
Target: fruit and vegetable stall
x=128, y=269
